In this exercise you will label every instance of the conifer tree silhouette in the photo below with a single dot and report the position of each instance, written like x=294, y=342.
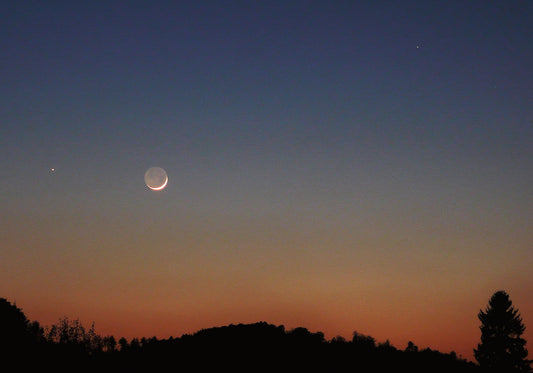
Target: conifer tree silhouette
x=502, y=350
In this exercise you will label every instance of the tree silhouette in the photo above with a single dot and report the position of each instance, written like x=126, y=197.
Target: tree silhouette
x=22, y=343
x=72, y=336
x=411, y=347
x=123, y=343
x=109, y=343
x=16, y=330
x=363, y=341
x=502, y=349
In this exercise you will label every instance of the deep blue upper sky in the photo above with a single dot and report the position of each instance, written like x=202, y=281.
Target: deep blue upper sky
x=150, y=69
x=267, y=94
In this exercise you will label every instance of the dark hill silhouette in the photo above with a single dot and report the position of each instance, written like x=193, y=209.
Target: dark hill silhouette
x=258, y=347
x=265, y=347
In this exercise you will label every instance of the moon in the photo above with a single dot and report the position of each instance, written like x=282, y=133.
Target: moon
x=156, y=178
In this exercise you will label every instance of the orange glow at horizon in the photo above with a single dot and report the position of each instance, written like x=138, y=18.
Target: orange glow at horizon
x=440, y=323
x=195, y=276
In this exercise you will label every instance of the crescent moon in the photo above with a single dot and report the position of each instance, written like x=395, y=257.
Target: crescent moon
x=161, y=187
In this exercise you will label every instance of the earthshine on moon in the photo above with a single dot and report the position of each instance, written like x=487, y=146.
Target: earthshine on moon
x=156, y=178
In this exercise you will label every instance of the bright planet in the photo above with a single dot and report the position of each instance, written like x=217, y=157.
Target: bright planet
x=156, y=178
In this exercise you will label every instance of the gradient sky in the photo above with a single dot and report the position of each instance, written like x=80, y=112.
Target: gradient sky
x=337, y=165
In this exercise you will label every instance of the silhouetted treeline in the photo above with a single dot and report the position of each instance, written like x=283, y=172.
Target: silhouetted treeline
x=69, y=346
x=266, y=347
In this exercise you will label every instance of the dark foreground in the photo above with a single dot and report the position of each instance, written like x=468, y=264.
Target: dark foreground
x=240, y=348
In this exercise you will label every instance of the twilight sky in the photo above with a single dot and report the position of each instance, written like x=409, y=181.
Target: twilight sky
x=337, y=165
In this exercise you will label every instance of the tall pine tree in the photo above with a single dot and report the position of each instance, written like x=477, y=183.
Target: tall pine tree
x=502, y=349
